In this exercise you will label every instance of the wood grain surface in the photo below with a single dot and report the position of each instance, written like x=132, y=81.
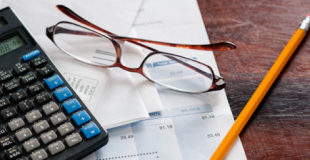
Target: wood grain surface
x=280, y=127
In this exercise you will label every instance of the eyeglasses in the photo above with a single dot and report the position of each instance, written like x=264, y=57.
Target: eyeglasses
x=96, y=46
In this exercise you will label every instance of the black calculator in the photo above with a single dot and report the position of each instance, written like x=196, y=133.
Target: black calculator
x=41, y=117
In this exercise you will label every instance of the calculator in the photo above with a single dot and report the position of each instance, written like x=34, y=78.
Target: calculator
x=41, y=117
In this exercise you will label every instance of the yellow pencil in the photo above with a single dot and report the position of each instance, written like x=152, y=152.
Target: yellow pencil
x=261, y=91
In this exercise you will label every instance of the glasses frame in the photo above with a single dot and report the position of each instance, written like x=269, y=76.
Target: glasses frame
x=217, y=81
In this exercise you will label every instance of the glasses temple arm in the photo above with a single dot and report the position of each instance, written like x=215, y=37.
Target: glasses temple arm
x=222, y=46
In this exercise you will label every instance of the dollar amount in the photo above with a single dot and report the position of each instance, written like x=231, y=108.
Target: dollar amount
x=208, y=117
x=166, y=127
x=173, y=73
x=126, y=137
x=213, y=135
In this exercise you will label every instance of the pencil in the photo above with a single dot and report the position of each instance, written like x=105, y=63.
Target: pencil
x=261, y=91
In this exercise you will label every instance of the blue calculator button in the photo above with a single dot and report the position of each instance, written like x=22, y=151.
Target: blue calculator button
x=30, y=55
x=54, y=82
x=62, y=93
x=91, y=130
x=81, y=118
x=72, y=105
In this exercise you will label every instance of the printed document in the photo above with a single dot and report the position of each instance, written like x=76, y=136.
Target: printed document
x=191, y=126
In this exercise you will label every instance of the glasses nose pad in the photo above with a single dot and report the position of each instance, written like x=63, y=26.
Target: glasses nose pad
x=132, y=55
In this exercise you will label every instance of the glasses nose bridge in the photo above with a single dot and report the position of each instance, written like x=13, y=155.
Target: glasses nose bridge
x=137, y=70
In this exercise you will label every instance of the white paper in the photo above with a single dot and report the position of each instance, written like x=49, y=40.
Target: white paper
x=191, y=126
x=109, y=93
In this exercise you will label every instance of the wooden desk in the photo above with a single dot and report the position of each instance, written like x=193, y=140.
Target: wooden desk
x=280, y=127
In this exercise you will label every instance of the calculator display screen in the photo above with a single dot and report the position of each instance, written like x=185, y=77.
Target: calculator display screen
x=10, y=44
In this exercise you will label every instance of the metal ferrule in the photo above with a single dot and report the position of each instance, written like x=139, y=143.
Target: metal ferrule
x=305, y=24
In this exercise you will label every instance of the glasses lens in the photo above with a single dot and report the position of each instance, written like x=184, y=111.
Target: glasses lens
x=178, y=73
x=85, y=45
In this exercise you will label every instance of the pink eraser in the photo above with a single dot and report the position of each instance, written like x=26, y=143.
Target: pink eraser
x=308, y=14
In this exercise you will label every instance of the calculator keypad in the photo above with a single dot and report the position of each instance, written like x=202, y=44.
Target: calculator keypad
x=40, y=117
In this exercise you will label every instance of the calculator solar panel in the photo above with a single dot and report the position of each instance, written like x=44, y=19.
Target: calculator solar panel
x=41, y=117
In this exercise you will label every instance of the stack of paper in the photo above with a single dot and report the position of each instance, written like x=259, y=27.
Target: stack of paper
x=179, y=126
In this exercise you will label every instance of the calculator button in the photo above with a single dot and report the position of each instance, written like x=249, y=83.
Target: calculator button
x=81, y=118
x=72, y=106
x=39, y=155
x=28, y=78
x=16, y=124
x=73, y=139
x=58, y=118
x=63, y=93
x=31, y=55
x=37, y=62
x=35, y=88
x=6, y=75
x=23, y=134
x=42, y=98
x=13, y=153
x=4, y=102
x=31, y=145
x=25, y=106
x=11, y=86
x=54, y=82
x=8, y=113
x=18, y=70
x=19, y=96
x=56, y=147
x=65, y=129
x=50, y=108
x=48, y=137
x=33, y=116
x=90, y=130
x=45, y=71
x=6, y=142
x=3, y=131
x=40, y=126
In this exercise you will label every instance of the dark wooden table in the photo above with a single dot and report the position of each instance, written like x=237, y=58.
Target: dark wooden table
x=280, y=127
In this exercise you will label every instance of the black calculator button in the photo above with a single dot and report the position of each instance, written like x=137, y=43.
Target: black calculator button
x=6, y=75
x=28, y=78
x=45, y=71
x=4, y=102
x=8, y=113
x=19, y=96
x=21, y=69
x=6, y=142
x=35, y=88
x=37, y=62
x=3, y=131
x=42, y=98
x=11, y=86
x=25, y=105
x=13, y=153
